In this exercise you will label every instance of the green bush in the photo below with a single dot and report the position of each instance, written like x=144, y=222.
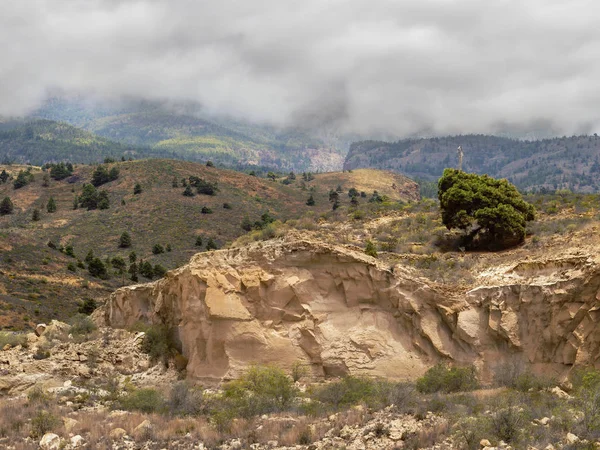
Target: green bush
x=43, y=422
x=157, y=342
x=441, y=378
x=143, y=400
x=37, y=395
x=370, y=249
x=260, y=390
x=81, y=324
x=12, y=339
x=157, y=249
x=354, y=390
x=159, y=271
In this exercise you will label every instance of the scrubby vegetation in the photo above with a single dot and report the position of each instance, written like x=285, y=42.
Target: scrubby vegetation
x=253, y=408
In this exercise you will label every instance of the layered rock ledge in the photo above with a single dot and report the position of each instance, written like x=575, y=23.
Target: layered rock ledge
x=341, y=312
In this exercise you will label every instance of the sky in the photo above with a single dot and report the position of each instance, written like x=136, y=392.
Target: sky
x=401, y=67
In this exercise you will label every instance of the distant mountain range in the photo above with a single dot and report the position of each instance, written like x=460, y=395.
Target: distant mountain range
x=183, y=132
x=548, y=164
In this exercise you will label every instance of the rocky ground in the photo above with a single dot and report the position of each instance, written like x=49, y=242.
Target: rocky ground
x=70, y=399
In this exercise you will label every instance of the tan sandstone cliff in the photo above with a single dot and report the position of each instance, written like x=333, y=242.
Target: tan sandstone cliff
x=340, y=311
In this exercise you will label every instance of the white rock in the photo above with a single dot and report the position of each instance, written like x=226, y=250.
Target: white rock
x=50, y=441
x=559, y=392
x=77, y=441
x=571, y=438
x=40, y=328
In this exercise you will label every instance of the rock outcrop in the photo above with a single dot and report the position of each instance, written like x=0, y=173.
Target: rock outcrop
x=340, y=311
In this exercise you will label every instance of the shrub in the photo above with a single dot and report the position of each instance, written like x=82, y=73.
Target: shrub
x=198, y=241
x=441, y=378
x=143, y=400
x=157, y=249
x=41, y=353
x=159, y=271
x=37, y=395
x=370, y=249
x=12, y=339
x=69, y=251
x=184, y=401
x=246, y=224
x=211, y=244
x=157, y=342
x=71, y=267
x=206, y=210
x=35, y=216
x=350, y=391
x=81, y=324
x=227, y=206
x=43, y=422
x=260, y=390
x=137, y=189
x=87, y=306
x=299, y=370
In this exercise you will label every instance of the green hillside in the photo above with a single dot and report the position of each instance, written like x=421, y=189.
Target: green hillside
x=40, y=141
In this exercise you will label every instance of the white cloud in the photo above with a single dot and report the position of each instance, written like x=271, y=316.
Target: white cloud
x=401, y=67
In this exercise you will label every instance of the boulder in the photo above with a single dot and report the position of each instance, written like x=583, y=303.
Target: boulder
x=117, y=433
x=40, y=328
x=77, y=441
x=50, y=441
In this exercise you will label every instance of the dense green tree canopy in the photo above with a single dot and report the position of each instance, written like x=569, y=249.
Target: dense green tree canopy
x=484, y=206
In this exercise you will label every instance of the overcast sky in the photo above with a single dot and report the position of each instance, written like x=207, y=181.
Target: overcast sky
x=396, y=66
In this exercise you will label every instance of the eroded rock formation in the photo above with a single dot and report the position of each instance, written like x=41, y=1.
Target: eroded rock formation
x=340, y=311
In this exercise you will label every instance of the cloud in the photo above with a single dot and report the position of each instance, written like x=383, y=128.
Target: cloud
x=384, y=66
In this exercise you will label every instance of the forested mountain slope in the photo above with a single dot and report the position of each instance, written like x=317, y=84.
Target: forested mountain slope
x=567, y=162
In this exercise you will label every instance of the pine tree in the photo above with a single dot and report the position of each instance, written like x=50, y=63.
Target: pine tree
x=6, y=206
x=310, y=201
x=133, y=271
x=125, y=240
x=199, y=241
x=36, y=215
x=137, y=189
x=211, y=245
x=51, y=206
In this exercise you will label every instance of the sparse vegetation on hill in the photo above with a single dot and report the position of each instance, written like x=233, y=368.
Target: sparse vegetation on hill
x=37, y=277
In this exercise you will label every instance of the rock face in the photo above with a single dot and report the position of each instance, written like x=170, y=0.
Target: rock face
x=340, y=311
